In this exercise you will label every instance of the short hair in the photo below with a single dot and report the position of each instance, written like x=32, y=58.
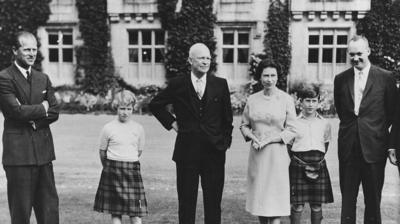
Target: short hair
x=359, y=37
x=16, y=41
x=263, y=65
x=124, y=98
x=308, y=90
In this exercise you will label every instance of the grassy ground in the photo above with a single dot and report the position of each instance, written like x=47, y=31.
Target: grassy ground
x=77, y=171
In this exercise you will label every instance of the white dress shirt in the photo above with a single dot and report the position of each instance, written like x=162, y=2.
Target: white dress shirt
x=22, y=70
x=199, y=84
x=360, y=80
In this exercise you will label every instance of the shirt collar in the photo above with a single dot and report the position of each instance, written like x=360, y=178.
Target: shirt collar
x=317, y=115
x=22, y=70
x=365, y=70
x=194, y=78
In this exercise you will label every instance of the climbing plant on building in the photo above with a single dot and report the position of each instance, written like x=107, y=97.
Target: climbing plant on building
x=276, y=40
x=17, y=15
x=94, y=56
x=187, y=22
x=381, y=26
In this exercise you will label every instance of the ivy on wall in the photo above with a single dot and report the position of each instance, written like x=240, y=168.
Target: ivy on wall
x=94, y=56
x=381, y=26
x=276, y=40
x=193, y=23
x=17, y=15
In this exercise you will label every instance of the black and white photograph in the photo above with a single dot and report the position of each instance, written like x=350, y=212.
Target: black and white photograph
x=200, y=111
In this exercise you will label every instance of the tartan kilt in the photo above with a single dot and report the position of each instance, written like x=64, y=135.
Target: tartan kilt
x=303, y=190
x=121, y=190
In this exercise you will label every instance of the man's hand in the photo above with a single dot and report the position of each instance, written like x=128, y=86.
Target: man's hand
x=174, y=126
x=392, y=156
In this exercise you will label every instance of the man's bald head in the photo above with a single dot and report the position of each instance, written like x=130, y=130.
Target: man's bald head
x=199, y=59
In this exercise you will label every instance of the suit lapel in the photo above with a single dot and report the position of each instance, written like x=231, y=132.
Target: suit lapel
x=350, y=83
x=370, y=81
x=189, y=91
x=210, y=91
x=22, y=83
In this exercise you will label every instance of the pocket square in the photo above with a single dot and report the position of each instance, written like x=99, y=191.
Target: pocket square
x=44, y=91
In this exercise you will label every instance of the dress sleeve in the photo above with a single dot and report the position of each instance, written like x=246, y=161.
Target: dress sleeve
x=245, y=125
x=289, y=132
x=104, y=138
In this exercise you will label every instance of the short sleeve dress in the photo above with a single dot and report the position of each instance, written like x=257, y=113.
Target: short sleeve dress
x=268, y=185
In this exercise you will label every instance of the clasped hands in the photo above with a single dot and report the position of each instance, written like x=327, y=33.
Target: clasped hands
x=258, y=145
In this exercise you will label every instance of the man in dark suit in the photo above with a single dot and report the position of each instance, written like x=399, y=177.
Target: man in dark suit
x=29, y=107
x=203, y=120
x=365, y=96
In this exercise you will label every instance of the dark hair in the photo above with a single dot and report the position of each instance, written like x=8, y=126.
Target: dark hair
x=265, y=64
x=16, y=44
x=308, y=90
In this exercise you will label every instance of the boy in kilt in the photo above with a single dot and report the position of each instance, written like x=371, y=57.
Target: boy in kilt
x=121, y=190
x=309, y=176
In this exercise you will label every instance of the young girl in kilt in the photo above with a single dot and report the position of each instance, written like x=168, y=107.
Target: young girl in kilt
x=121, y=190
x=309, y=176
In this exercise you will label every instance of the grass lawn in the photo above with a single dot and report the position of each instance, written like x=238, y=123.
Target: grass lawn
x=77, y=171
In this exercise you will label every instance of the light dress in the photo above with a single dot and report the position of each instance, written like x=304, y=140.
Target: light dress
x=268, y=186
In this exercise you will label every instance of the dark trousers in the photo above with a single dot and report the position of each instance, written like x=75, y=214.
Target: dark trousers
x=353, y=172
x=32, y=186
x=212, y=182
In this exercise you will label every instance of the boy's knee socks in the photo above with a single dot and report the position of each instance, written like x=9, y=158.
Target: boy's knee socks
x=316, y=217
x=295, y=216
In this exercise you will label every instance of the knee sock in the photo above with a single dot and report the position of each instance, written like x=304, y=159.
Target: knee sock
x=295, y=217
x=316, y=217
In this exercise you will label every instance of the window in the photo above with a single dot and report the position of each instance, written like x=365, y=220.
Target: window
x=235, y=46
x=146, y=46
x=327, y=46
x=60, y=46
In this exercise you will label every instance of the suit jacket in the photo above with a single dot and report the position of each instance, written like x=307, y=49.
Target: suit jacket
x=395, y=132
x=376, y=114
x=213, y=125
x=21, y=104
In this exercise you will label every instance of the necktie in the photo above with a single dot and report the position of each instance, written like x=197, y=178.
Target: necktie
x=199, y=88
x=359, y=91
x=28, y=76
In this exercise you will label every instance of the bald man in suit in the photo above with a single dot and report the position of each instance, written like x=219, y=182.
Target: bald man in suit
x=203, y=120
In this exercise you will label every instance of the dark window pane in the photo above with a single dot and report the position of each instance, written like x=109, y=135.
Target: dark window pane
x=328, y=39
x=244, y=38
x=227, y=38
x=342, y=39
x=133, y=55
x=67, y=54
x=133, y=37
x=146, y=37
x=146, y=55
x=160, y=36
x=313, y=39
x=159, y=57
x=53, y=39
x=243, y=55
x=227, y=55
x=313, y=55
x=341, y=54
x=327, y=55
x=53, y=55
x=67, y=39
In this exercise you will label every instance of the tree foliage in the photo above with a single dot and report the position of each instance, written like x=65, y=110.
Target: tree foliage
x=381, y=26
x=17, y=15
x=94, y=56
x=276, y=41
x=193, y=23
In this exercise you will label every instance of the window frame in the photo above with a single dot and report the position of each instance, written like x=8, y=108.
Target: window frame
x=153, y=46
x=60, y=46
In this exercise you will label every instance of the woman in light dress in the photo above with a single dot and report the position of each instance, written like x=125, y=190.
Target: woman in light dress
x=267, y=121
